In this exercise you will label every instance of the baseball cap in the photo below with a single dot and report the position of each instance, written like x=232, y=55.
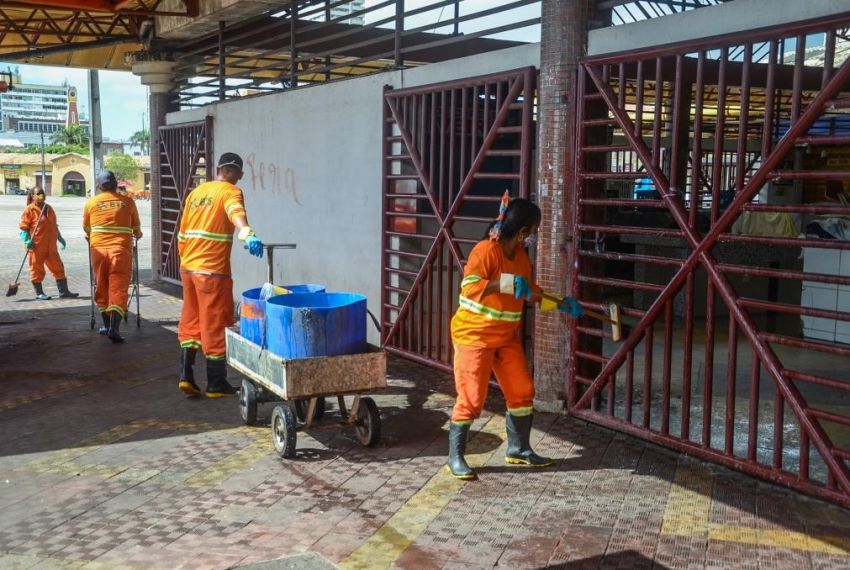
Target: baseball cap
x=107, y=180
x=230, y=159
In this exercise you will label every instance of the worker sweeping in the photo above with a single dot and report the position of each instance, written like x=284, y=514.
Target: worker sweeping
x=40, y=233
x=486, y=333
x=211, y=213
x=110, y=221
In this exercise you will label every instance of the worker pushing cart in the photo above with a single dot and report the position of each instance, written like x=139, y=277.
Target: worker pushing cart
x=211, y=213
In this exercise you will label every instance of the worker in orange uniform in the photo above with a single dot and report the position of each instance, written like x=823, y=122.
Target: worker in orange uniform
x=40, y=232
x=211, y=213
x=486, y=334
x=111, y=221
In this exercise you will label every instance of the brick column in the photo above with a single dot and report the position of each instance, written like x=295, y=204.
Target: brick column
x=159, y=107
x=563, y=42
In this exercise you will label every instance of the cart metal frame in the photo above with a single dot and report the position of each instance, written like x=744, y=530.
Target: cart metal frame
x=270, y=378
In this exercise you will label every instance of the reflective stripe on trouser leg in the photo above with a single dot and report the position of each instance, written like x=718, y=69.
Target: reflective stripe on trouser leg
x=511, y=369
x=189, y=327
x=120, y=270
x=472, y=368
x=100, y=268
x=215, y=295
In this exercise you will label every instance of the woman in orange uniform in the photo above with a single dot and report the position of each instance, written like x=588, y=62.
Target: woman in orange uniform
x=486, y=334
x=111, y=221
x=40, y=237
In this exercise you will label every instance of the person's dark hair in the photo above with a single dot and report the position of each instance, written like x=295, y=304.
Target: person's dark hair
x=31, y=192
x=520, y=213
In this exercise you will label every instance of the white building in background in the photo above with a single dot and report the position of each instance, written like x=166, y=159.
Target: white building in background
x=348, y=8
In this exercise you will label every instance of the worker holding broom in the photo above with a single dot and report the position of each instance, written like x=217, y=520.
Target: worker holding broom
x=40, y=233
x=211, y=213
x=111, y=221
x=486, y=333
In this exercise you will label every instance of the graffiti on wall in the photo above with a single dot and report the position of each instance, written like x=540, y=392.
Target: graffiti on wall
x=271, y=177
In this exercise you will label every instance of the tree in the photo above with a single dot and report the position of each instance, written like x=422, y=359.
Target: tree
x=143, y=139
x=72, y=135
x=122, y=165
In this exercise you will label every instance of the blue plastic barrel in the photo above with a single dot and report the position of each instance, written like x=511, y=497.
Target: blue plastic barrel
x=318, y=324
x=252, y=313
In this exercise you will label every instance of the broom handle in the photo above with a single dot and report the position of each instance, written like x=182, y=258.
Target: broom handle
x=27, y=251
x=592, y=314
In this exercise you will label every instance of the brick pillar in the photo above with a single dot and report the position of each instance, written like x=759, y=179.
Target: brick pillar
x=563, y=42
x=159, y=107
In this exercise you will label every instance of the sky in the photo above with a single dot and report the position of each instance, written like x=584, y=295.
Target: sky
x=123, y=99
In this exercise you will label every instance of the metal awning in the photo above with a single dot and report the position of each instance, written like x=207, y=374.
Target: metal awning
x=79, y=33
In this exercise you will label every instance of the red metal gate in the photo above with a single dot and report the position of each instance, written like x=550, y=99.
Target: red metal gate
x=185, y=152
x=752, y=222
x=450, y=152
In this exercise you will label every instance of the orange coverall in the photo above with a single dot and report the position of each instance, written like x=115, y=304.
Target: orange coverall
x=110, y=220
x=204, y=244
x=44, y=251
x=486, y=335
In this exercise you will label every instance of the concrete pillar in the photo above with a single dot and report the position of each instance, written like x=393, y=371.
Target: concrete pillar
x=156, y=72
x=563, y=42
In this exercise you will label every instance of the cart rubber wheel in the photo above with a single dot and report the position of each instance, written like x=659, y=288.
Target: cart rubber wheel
x=283, y=431
x=368, y=426
x=302, y=405
x=248, y=402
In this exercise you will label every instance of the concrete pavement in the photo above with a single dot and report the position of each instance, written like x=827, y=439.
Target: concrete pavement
x=104, y=464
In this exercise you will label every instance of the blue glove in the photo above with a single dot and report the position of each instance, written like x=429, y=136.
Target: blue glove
x=522, y=288
x=61, y=241
x=571, y=307
x=254, y=246
x=25, y=237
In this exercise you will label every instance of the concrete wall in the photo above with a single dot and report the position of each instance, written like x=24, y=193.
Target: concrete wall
x=313, y=171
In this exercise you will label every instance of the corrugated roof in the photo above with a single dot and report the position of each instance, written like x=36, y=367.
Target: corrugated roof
x=25, y=159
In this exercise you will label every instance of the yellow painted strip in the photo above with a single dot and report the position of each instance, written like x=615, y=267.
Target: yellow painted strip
x=384, y=547
x=259, y=449
x=688, y=514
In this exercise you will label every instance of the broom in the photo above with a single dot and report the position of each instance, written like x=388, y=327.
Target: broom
x=13, y=287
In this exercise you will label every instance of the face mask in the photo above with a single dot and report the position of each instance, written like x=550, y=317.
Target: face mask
x=530, y=241
x=39, y=197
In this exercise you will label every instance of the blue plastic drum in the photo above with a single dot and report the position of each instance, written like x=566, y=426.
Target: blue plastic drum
x=317, y=324
x=252, y=312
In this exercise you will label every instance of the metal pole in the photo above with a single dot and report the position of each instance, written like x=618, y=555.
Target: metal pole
x=96, y=138
x=221, y=60
x=399, y=28
x=293, y=51
x=43, y=167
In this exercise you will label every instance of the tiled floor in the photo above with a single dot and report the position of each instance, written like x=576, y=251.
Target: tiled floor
x=104, y=464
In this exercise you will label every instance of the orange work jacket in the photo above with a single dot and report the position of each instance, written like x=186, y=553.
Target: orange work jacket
x=110, y=220
x=206, y=227
x=48, y=229
x=489, y=321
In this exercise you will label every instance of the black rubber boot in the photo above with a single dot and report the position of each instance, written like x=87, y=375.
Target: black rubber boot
x=187, y=374
x=519, y=449
x=64, y=293
x=217, y=385
x=114, y=327
x=39, y=292
x=456, y=463
x=104, y=330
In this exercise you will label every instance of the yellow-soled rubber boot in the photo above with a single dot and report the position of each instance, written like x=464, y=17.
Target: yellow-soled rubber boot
x=519, y=448
x=217, y=385
x=187, y=373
